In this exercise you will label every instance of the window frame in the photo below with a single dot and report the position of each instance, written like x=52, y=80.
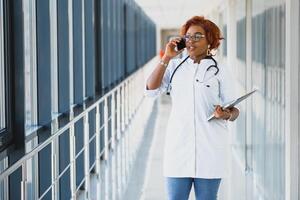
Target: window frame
x=6, y=132
x=54, y=58
x=3, y=84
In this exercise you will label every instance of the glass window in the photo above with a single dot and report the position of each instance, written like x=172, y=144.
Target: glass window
x=240, y=137
x=4, y=183
x=63, y=57
x=30, y=64
x=225, y=40
x=89, y=48
x=268, y=72
x=54, y=58
x=2, y=72
x=78, y=58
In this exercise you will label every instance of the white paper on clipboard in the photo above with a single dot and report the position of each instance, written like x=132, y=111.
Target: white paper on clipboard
x=233, y=103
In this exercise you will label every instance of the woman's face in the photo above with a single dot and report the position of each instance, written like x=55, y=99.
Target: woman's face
x=196, y=49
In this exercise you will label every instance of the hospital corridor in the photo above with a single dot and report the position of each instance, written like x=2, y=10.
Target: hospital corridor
x=110, y=99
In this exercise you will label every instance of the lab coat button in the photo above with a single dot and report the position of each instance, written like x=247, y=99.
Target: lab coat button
x=197, y=80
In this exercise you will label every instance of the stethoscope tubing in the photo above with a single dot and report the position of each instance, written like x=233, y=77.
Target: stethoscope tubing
x=211, y=66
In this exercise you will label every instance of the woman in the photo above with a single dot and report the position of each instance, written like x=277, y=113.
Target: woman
x=195, y=148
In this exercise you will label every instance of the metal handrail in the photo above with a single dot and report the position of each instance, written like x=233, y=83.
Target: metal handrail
x=37, y=149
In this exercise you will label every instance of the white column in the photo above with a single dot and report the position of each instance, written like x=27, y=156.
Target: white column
x=55, y=162
x=158, y=39
x=24, y=182
x=72, y=162
x=119, y=114
x=123, y=108
x=30, y=63
x=87, y=155
x=54, y=57
x=231, y=33
x=54, y=99
x=106, y=141
x=248, y=152
x=292, y=100
x=113, y=120
x=4, y=192
x=98, y=141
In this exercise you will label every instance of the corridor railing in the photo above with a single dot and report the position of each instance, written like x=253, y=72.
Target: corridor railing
x=114, y=113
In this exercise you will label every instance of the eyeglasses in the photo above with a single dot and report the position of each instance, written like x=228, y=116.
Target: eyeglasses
x=195, y=38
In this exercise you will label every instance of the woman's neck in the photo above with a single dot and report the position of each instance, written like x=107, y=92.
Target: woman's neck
x=197, y=59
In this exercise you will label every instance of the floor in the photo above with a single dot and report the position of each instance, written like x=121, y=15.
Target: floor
x=146, y=181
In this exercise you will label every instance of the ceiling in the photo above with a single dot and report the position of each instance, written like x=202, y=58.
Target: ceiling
x=173, y=13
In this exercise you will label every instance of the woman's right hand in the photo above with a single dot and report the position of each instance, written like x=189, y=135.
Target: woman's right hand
x=170, y=51
x=155, y=79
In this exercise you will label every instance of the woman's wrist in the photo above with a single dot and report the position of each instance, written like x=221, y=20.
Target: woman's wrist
x=162, y=63
x=165, y=59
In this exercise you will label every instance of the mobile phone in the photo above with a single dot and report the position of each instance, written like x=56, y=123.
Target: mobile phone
x=181, y=44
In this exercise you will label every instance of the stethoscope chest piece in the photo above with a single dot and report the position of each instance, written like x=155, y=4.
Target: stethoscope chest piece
x=169, y=89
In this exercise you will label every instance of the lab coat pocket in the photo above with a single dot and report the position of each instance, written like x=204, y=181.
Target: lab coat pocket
x=207, y=95
x=210, y=88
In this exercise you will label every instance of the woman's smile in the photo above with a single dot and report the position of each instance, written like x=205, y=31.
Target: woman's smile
x=191, y=49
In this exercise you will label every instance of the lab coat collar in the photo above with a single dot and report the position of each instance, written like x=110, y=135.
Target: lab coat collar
x=204, y=62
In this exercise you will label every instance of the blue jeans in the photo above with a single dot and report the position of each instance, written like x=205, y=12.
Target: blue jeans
x=179, y=188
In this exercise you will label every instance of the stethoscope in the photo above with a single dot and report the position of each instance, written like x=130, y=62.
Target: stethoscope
x=215, y=65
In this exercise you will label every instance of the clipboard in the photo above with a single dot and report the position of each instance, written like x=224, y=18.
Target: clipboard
x=231, y=104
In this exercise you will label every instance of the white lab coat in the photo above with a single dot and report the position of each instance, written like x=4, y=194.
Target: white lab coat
x=195, y=147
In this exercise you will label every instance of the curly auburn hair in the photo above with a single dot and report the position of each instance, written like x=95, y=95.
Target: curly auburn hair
x=212, y=32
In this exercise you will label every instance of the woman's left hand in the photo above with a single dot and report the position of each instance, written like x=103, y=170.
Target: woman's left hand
x=221, y=113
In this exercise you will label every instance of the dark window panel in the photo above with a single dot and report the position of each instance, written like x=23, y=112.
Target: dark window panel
x=44, y=162
x=63, y=56
x=77, y=52
x=89, y=47
x=6, y=79
x=64, y=185
x=15, y=184
x=3, y=77
x=92, y=130
x=15, y=60
x=105, y=41
x=43, y=62
x=98, y=46
x=64, y=151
